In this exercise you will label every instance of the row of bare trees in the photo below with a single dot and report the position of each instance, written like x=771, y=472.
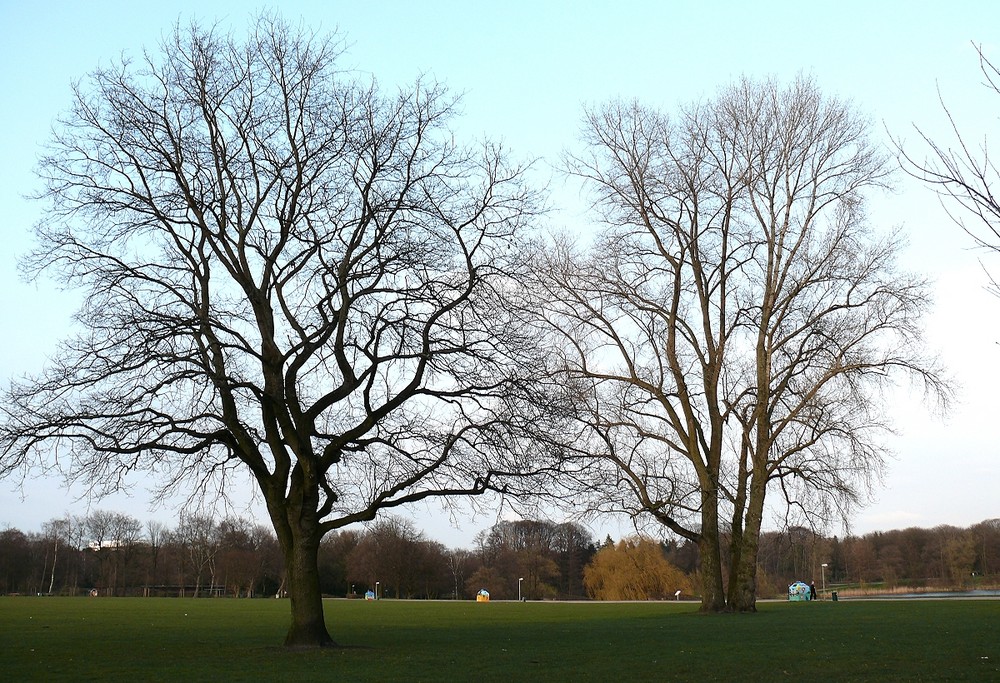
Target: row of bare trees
x=944, y=557
x=532, y=559
x=541, y=558
x=114, y=554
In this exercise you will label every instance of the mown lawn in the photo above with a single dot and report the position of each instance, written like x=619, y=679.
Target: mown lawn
x=225, y=640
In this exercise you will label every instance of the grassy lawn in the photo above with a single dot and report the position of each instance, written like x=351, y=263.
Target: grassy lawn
x=224, y=639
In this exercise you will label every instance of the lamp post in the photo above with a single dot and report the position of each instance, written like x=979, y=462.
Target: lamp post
x=519, y=588
x=352, y=590
x=823, y=571
x=376, y=590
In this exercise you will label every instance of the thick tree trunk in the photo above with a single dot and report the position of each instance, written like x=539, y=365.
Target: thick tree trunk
x=713, y=596
x=308, y=628
x=743, y=577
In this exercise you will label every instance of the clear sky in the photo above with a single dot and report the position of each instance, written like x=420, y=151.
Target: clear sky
x=526, y=68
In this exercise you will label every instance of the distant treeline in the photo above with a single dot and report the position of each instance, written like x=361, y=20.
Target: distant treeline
x=114, y=554
x=109, y=553
x=944, y=557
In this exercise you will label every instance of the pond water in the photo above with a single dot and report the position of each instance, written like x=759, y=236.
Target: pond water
x=943, y=594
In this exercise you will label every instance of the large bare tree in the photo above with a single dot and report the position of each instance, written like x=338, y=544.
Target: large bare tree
x=731, y=330
x=286, y=276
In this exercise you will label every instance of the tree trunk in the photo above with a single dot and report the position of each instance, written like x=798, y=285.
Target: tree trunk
x=308, y=627
x=743, y=584
x=713, y=597
x=743, y=573
x=52, y=577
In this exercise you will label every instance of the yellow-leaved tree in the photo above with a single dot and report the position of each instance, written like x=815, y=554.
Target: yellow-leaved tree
x=634, y=569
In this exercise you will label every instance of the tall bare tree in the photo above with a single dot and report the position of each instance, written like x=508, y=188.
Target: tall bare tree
x=730, y=331
x=57, y=532
x=286, y=276
x=156, y=535
x=199, y=538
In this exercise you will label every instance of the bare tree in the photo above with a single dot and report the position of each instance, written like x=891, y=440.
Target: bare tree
x=398, y=556
x=77, y=532
x=241, y=555
x=16, y=561
x=963, y=172
x=198, y=536
x=156, y=535
x=287, y=276
x=126, y=536
x=460, y=563
x=521, y=557
x=99, y=527
x=731, y=331
x=333, y=560
x=57, y=532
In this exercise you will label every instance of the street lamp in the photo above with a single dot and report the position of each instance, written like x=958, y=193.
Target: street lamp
x=823, y=570
x=352, y=590
x=376, y=590
x=519, y=588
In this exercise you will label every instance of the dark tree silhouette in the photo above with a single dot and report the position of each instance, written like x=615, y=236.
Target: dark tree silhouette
x=286, y=276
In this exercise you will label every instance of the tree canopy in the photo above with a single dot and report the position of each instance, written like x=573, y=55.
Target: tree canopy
x=634, y=569
x=287, y=275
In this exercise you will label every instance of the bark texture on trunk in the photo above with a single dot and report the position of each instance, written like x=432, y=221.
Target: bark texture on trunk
x=308, y=628
x=713, y=596
x=743, y=582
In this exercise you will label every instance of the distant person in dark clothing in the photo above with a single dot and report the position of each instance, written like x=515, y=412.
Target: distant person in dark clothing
x=812, y=590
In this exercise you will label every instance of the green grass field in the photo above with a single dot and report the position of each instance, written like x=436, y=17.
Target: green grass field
x=223, y=640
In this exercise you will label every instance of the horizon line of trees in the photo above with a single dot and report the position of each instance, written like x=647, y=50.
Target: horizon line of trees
x=114, y=554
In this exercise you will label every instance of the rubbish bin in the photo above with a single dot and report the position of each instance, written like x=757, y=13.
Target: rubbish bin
x=833, y=595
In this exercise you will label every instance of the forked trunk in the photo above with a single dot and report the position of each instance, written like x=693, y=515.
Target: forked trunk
x=743, y=579
x=713, y=596
x=743, y=586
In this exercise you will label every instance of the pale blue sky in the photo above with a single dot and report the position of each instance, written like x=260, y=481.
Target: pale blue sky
x=526, y=68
